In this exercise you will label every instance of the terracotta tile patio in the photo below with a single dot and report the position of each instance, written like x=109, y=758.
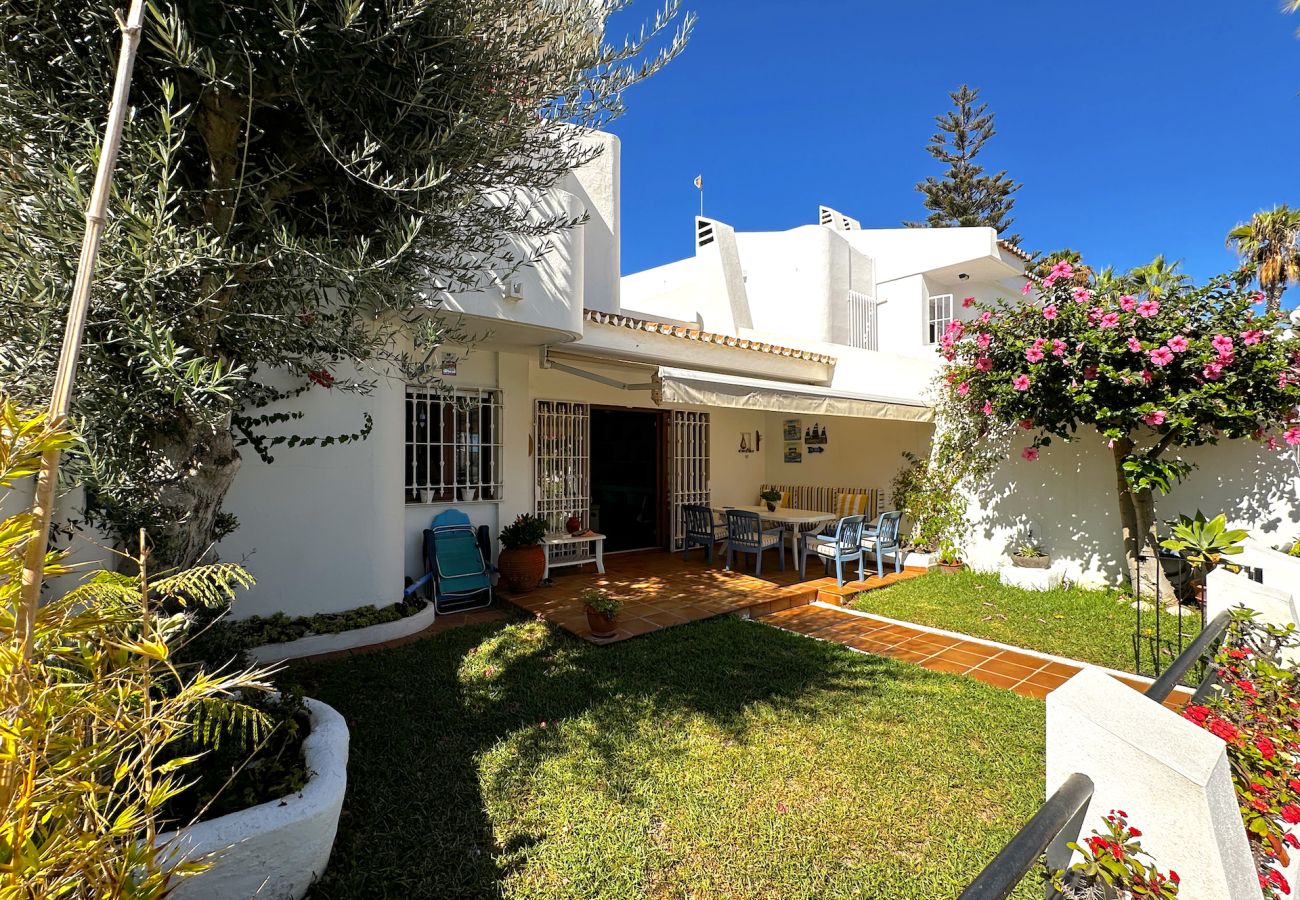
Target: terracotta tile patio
x=660, y=590
x=1023, y=671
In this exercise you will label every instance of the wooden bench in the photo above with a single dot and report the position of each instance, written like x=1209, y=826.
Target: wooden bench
x=561, y=539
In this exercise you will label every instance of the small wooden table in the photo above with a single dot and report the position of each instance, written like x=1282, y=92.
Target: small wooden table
x=561, y=539
x=797, y=520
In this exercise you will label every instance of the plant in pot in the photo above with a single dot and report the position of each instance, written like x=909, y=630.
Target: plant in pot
x=771, y=498
x=1029, y=555
x=1203, y=543
x=602, y=613
x=522, y=562
x=950, y=561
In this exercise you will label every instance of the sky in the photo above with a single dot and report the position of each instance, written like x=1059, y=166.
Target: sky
x=1137, y=127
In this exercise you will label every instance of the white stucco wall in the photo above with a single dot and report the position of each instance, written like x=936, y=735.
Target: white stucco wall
x=597, y=188
x=858, y=453
x=1068, y=498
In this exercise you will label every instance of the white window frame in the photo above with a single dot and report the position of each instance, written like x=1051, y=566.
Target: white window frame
x=864, y=323
x=939, y=314
x=453, y=444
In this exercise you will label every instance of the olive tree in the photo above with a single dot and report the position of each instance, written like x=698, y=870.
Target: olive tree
x=299, y=181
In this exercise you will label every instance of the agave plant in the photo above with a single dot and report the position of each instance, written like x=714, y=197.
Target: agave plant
x=1204, y=542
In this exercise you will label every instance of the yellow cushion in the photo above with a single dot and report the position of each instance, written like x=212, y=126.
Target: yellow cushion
x=851, y=505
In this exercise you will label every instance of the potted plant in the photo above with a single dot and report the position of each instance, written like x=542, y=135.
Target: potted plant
x=523, y=558
x=602, y=613
x=1203, y=543
x=950, y=561
x=771, y=498
x=1031, y=556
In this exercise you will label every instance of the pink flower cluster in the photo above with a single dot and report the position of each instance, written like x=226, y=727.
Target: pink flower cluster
x=1059, y=271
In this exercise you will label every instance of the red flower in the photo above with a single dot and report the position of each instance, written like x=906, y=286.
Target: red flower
x=1291, y=814
x=321, y=377
x=1224, y=730
x=1265, y=748
x=1196, y=714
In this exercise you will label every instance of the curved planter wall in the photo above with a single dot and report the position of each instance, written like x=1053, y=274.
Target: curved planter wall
x=345, y=640
x=276, y=850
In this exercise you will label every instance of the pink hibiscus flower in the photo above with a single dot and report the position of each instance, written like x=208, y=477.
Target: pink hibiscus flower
x=1148, y=308
x=1049, y=312
x=986, y=317
x=1109, y=320
x=1222, y=344
x=1020, y=382
x=1058, y=347
x=1030, y=454
x=1148, y=376
x=967, y=302
x=1252, y=337
x=964, y=388
x=1178, y=344
x=1154, y=418
x=1212, y=371
x=1127, y=303
x=1292, y=435
x=1090, y=372
x=1259, y=297
x=983, y=364
x=1135, y=345
x=1161, y=356
x=1082, y=295
x=988, y=407
x=1029, y=286
x=1033, y=355
x=983, y=339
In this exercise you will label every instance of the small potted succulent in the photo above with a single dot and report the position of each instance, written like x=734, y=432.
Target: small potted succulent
x=602, y=613
x=950, y=561
x=771, y=498
x=522, y=562
x=1031, y=556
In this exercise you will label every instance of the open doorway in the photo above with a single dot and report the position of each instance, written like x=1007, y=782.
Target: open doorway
x=627, y=484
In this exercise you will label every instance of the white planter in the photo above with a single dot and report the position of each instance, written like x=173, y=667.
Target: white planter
x=1031, y=579
x=313, y=644
x=273, y=851
x=915, y=560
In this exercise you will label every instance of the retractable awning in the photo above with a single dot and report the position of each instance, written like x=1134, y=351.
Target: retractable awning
x=687, y=387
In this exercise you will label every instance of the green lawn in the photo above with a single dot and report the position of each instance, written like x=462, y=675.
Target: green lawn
x=1091, y=625
x=724, y=759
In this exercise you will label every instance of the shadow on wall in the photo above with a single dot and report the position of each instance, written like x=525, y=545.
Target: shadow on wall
x=1068, y=500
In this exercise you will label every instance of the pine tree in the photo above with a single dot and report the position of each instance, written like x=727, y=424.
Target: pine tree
x=965, y=195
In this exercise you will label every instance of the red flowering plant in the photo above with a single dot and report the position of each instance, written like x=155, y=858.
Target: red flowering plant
x=1114, y=865
x=1255, y=710
x=1153, y=373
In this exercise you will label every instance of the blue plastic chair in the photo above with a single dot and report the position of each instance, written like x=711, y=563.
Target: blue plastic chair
x=452, y=555
x=700, y=530
x=882, y=539
x=745, y=534
x=845, y=545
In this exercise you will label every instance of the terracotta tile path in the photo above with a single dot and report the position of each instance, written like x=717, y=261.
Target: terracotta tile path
x=1023, y=671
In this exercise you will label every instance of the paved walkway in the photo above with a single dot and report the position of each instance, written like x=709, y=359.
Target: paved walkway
x=1023, y=671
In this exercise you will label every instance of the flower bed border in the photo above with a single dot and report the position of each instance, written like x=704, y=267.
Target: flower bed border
x=314, y=644
x=274, y=850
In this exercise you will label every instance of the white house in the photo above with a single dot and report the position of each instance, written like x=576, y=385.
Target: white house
x=619, y=399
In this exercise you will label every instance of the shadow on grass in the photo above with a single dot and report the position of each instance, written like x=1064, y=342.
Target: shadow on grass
x=443, y=728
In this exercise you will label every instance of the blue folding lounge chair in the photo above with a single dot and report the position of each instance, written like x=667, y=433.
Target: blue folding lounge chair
x=461, y=578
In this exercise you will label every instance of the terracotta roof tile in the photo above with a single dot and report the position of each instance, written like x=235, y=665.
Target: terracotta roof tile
x=704, y=337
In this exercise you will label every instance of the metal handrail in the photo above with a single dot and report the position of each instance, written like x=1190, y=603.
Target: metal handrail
x=1163, y=686
x=1001, y=876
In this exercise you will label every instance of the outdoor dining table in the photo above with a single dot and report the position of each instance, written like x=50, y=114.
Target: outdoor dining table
x=798, y=521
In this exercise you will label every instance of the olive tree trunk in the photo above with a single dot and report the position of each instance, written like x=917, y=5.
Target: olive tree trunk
x=201, y=464
x=1137, y=515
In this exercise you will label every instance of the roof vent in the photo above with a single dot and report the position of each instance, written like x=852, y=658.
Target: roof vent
x=837, y=220
x=703, y=232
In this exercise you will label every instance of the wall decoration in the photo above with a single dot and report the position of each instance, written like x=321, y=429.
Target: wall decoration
x=792, y=429
x=746, y=445
x=816, y=449
x=758, y=441
x=449, y=364
x=793, y=454
x=815, y=434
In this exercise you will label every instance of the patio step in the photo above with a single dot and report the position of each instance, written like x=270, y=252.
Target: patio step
x=1026, y=672
x=828, y=591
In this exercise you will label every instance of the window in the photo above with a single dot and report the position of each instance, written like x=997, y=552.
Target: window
x=939, y=317
x=453, y=445
x=862, y=321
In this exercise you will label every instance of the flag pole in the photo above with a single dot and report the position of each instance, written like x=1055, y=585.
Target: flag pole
x=60, y=400
x=699, y=186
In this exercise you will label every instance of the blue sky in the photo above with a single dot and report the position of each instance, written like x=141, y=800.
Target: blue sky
x=1137, y=127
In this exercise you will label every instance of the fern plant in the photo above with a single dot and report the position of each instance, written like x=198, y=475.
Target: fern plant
x=92, y=718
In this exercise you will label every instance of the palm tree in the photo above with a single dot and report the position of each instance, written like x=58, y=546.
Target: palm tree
x=1157, y=279
x=1271, y=242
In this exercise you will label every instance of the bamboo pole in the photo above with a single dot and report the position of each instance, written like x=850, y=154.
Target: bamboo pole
x=47, y=479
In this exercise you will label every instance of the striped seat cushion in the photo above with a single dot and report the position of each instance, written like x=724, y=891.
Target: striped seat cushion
x=847, y=504
x=826, y=499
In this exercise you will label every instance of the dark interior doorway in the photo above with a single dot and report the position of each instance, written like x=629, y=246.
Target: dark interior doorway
x=627, y=478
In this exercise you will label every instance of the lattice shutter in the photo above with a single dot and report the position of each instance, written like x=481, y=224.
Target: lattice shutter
x=688, y=465
x=562, y=461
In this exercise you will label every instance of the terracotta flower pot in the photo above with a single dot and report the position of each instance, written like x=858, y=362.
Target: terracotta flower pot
x=522, y=568
x=602, y=626
x=951, y=568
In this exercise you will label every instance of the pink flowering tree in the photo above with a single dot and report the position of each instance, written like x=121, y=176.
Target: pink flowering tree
x=1153, y=376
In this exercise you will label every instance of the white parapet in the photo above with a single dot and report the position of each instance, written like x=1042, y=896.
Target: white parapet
x=1226, y=590
x=1169, y=775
